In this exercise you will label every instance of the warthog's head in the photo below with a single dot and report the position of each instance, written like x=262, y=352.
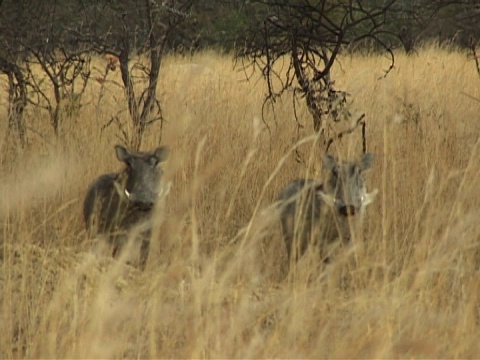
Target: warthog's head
x=139, y=182
x=344, y=188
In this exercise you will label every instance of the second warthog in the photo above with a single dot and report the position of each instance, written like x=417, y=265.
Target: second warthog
x=115, y=203
x=319, y=214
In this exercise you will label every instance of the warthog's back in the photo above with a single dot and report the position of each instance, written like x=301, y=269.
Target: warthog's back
x=301, y=193
x=101, y=188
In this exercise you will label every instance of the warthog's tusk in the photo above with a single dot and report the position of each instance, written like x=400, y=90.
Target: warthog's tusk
x=121, y=191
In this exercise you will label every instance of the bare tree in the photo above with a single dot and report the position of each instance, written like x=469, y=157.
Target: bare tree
x=38, y=55
x=452, y=21
x=67, y=73
x=135, y=28
x=11, y=57
x=47, y=45
x=308, y=36
x=17, y=98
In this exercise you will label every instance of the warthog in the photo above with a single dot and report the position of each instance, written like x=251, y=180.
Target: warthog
x=117, y=202
x=315, y=213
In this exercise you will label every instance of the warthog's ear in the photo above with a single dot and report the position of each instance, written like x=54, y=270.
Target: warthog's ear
x=366, y=161
x=161, y=153
x=123, y=154
x=329, y=162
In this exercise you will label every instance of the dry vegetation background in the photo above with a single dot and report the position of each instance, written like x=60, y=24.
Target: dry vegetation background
x=215, y=283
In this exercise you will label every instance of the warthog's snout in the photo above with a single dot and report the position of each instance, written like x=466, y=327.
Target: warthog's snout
x=143, y=205
x=142, y=202
x=347, y=210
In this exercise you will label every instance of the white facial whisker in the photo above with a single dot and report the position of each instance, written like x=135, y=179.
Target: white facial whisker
x=165, y=190
x=368, y=198
x=327, y=198
x=127, y=194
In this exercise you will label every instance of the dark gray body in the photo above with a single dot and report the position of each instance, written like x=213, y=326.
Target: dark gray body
x=301, y=211
x=117, y=202
x=317, y=214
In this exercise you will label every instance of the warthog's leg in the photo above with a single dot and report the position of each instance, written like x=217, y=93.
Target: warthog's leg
x=118, y=243
x=144, y=251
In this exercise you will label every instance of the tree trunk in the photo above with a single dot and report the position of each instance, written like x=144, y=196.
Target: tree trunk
x=17, y=100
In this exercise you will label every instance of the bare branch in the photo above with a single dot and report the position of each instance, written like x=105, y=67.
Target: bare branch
x=311, y=35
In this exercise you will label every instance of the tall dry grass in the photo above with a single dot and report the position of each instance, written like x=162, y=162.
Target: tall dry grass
x=215, y=284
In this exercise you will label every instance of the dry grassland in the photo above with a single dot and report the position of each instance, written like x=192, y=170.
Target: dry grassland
x=215, y=284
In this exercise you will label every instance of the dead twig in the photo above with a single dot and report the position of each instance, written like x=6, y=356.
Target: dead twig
x=473, y=47
x=339, y=136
